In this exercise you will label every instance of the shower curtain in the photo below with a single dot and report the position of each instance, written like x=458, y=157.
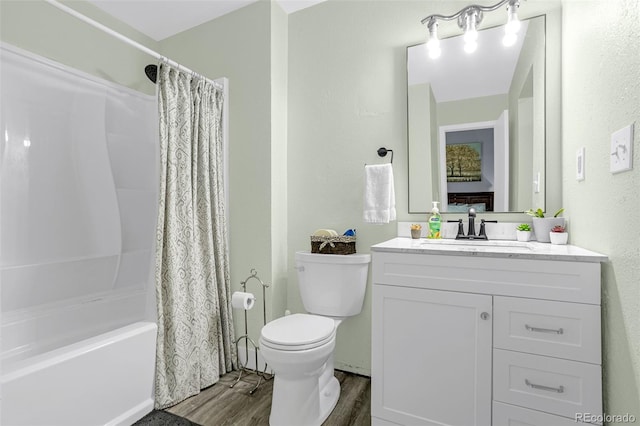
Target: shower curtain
x=195, y=328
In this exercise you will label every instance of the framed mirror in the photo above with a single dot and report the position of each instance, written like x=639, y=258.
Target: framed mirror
x=478, y=124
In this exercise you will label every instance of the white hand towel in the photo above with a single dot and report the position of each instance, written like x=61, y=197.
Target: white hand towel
x=379, y=194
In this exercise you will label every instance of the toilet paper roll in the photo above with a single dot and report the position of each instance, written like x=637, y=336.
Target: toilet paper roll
x=242, y=300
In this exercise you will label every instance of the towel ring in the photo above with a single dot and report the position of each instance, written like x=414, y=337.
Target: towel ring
x=382, y=152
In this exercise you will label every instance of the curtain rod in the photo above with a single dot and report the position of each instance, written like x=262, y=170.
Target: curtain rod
x=126, y=39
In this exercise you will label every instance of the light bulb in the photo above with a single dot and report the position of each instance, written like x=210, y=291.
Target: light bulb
x=509, y=39
x=433, y=34
x=433, y=44
x=512, y=26
x=470, y=36
x=470, y=46
x=513, y=23
x=470, y=30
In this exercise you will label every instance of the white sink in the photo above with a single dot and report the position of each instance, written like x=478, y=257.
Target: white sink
x=478, y=244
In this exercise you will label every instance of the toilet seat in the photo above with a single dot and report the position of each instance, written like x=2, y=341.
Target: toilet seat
x=298, y=332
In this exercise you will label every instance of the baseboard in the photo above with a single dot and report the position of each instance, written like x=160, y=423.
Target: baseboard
x=251, y=365
x=352, y=369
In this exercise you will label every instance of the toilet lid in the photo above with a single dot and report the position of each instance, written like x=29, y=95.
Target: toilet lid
x=298, y=331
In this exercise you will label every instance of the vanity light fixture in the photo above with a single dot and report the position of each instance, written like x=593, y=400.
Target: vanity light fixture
x=468, y=20
x=513, y=25
x=433, y=44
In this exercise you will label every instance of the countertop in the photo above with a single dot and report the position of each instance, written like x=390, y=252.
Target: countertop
x=496, y=248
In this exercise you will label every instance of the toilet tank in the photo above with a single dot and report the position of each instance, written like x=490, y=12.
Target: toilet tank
x=331, y=284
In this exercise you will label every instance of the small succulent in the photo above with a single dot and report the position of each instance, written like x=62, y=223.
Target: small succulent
x=558, y=228
x=524, y=227
x=416, y=227
x=540, y=213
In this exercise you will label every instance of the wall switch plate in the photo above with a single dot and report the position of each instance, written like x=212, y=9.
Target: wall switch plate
x=536, y=183
x=622, y=149
x=580, y=164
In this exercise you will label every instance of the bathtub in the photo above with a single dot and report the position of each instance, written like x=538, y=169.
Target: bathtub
x=104, y=380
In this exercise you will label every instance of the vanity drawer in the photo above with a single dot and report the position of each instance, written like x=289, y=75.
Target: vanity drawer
x=511, y=415
x=552, y=385
x=558, y=329
x=536, y=279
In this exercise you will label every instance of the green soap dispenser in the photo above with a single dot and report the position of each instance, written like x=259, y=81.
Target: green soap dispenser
x=434, y=222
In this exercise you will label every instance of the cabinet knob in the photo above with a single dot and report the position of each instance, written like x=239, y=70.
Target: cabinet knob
x=484, y=315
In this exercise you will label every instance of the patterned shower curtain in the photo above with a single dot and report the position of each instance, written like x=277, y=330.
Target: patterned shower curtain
x=195, y=328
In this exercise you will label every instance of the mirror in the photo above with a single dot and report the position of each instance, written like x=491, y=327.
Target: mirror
x=478, y=123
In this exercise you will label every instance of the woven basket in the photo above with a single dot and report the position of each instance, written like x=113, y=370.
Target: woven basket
x=333, y=245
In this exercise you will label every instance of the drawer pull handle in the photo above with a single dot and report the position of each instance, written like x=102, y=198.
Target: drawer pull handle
x=543, y=330
x=559, y=389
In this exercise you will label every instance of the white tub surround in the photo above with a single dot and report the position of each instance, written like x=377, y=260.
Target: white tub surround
x=492, y=333
x=79, y=191
x=79, y=201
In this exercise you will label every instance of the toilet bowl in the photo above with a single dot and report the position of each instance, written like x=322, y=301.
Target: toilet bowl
x=299, y=347
x=298, y=363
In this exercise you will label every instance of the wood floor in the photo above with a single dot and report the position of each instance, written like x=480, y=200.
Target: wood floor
x=220, y=405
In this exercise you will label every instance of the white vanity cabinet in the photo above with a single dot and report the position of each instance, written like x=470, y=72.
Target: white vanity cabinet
x=484, y=338
x=450, y=385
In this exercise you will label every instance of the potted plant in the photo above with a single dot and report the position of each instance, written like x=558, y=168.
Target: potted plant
x=523, y=232
x=416, y=229
x=558, y=235
x=542, y=225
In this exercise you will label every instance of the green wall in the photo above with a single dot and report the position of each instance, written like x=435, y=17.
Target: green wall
x=342, y=95
x=601, y=94
x=279, y=139
x=527, y=152
x=420, y=111
x=347, y=98
x=43, y=29
x=486, y=108
x=239, y=46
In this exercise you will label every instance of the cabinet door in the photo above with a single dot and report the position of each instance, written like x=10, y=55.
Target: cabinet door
x=431, y=357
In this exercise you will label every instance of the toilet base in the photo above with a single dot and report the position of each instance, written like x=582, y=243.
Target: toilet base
x=297, y=403
x=329, y=396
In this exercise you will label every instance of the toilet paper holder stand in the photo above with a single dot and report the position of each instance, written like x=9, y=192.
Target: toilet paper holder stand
x=261, y=374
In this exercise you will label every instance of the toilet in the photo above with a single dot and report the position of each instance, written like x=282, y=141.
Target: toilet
x=299, y=347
